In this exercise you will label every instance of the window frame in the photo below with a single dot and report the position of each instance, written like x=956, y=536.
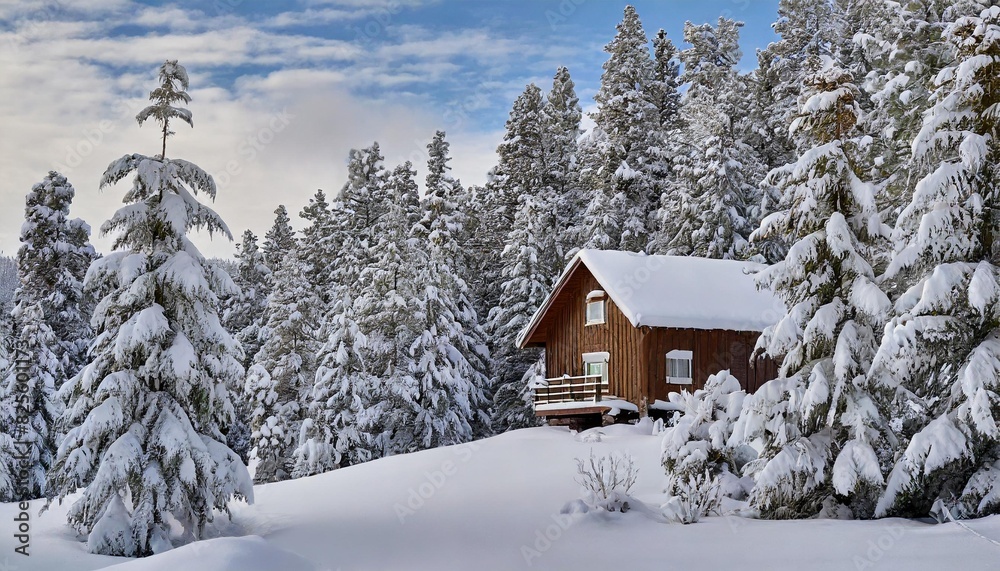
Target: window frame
x=597, y=358
x=680, y=355
x=596, y=302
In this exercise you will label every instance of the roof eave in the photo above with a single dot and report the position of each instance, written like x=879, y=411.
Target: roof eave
x=536, y=319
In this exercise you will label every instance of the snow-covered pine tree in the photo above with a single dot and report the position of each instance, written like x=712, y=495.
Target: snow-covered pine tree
x=669, y=141
x=384, y=313
x=943, y=346
x=521, y=170
x=836, y=438
x=715, y=203
x=561, y=117
x=809, y=29
x=7, y=417
x=450, y=358
x=317, y=245
x=244, y=314
x=147, y=416
x=524, y=288
x=335, y=431
x=279, y=240
x=910, y=55
x=621, y=150
x=9, y=283
x=364, y=191
x=52, y=261
x=284, y=369
x=665, y=86
x=29, y=398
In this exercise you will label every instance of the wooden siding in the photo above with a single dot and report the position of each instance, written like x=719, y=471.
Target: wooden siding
x=712, y=350
x=637, y=356
x=568, y=337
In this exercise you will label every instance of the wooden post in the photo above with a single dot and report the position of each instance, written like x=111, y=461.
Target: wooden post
x=597, y=390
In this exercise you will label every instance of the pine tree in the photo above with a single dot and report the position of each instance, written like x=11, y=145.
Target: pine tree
x=450, y=359
x=715, y=202
x=8, y=416
x=279, y=240
x=284, y=370
x=364, y=192
x=524, y=288
x=147, y=416
x=900, y=91
x=52, y=261
x=561, y=117
x=834, y=434
x=943, y=346
x=9, y=283
x=336, y=432
x=809, y=30
x=666, y=82
x=522, y=169
x=384, y=313
x=318, y=244
x=621, y=152
x=29, y=397
x=244, y=315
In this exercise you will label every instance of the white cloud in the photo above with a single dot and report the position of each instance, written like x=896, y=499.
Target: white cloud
x=70, y=91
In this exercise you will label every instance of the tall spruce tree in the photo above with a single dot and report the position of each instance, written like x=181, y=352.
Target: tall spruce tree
x=835, y=435
x=279, y=240
x=147, y=416
x=450, y=358
x=244, y=316
x=943, y=346
x=336, y=428
x=318, y=244
x=52, y=261
x=524, y=287
x=561, y=116
x=714, y=203
x=29, y=400
x=385, y=313
x=621, y=153
x=284, y=369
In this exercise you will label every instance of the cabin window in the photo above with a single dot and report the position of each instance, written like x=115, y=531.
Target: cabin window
x=596, y=364
x=679, y=367
x=595, y=307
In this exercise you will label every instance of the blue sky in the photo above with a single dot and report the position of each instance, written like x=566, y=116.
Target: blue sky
x=282, y=90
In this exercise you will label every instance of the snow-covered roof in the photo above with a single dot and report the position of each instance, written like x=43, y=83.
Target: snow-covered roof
x=675, y=291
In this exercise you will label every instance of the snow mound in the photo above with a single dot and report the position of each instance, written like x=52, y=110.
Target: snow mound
x=250, y=553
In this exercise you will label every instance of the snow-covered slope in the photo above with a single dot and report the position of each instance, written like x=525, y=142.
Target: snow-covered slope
x=495, y=504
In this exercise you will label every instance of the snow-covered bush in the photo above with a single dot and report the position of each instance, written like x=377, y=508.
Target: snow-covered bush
x=606, y=481
x=694, y=496
x=698, y=441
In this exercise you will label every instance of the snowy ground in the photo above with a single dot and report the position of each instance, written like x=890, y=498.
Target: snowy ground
x=490, y=505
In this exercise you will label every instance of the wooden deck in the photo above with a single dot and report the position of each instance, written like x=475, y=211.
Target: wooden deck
x=583, y=388
x=600, y=410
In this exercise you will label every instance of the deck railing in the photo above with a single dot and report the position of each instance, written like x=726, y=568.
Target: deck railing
x=584, y=388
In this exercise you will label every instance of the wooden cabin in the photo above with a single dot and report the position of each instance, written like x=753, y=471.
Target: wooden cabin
x=622, y=330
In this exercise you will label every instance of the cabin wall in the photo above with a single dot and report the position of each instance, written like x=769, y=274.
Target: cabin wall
x=713, y=350
x=568, y=337
x=637, y=356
